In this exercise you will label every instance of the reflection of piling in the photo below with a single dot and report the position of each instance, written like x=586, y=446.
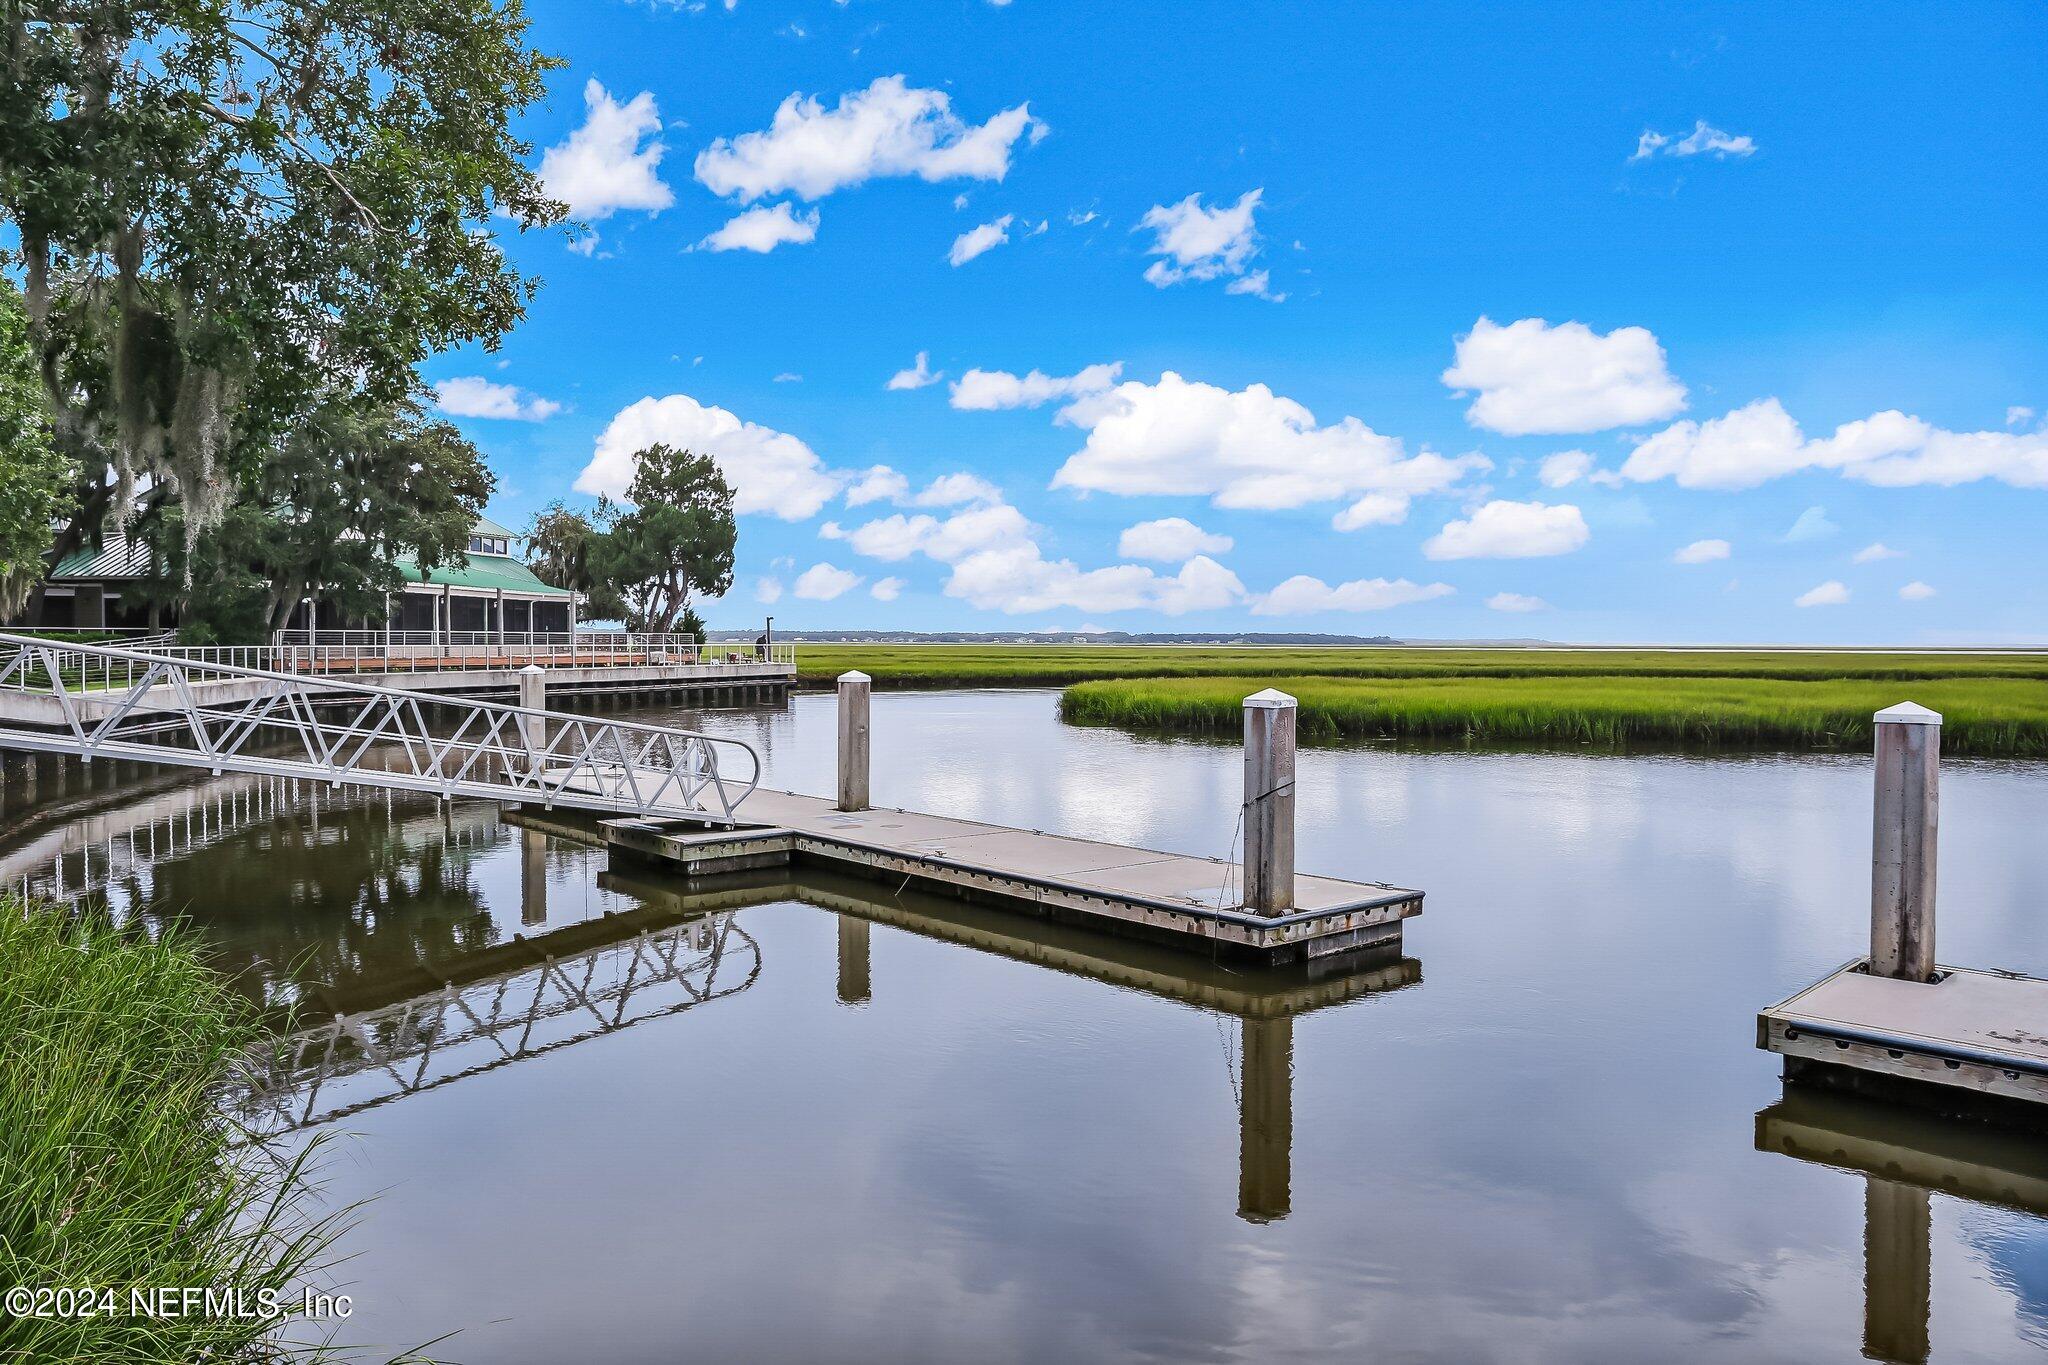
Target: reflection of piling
x=1265, y=1152
x=854, y=689
x=533, y=877
x=1906, y=820
x=1269, y=802
x=1897, y=1271
x=854, y=987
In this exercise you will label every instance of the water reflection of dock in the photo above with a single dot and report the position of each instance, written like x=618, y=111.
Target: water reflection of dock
x=410, y=1032
x=1265, y=1002
x=1905, y=1157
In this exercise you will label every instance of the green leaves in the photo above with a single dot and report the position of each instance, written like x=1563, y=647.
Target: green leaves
x=645, y=561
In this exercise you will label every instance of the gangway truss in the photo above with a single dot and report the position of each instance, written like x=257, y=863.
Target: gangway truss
x=107, y=702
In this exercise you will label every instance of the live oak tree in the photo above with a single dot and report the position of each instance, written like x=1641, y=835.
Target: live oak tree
x=230, y=210
x=33, y=476
x=350, y=489
x=645, y=561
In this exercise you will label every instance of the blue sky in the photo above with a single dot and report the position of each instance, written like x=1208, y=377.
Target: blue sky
x=1766, y=268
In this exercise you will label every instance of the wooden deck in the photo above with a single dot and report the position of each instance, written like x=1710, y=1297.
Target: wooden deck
x=1975, y=1033
x=1192, y=901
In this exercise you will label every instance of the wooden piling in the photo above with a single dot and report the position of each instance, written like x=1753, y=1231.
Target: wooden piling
x=533, y=695
x=1902, y=856
x=1269, y=802
x=854, y=690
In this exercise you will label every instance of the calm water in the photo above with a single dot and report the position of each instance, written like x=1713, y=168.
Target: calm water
x=832, y=1123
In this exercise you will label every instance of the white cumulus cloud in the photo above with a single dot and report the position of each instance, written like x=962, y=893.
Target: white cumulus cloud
x=1832, y=593
x=988, y=390
x=1171, y=540
x=1514, y=601
x=763, y=228
x=1511, y=530
x=976, y=241
x=770, y=471
x=917, y=376
x=950, y=490
x=609, y=164
x=877, y=483
x=822, y=582
x=1760, y=441
x=2018, y=415
x=1303, y=595
x=1916, y=591
x=1374, y=509
x=1248, y=448
x=1532, y=378
x=1702, y=552
x=1703, y=140
x=886, y=589
x=470, y=396
x=1871, y=554
x=768, y=590
x=1194, y=242
x=889, y=129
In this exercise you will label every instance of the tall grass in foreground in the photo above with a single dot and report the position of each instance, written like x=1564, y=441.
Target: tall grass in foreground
x=1990, y=716
x=117, y=1168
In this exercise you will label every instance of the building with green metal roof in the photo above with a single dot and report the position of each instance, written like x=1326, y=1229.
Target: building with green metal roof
x=488, y=592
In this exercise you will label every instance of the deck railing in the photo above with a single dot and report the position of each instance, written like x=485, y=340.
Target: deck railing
x=353, y=652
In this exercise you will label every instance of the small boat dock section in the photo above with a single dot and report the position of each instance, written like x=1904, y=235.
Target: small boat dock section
x=1977, y=1032
x=1895, y=1024
x=1170, y=896
x=1258, y=910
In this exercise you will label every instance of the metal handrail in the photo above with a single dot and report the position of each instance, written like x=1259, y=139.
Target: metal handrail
x=421, y=652
x=495, y=750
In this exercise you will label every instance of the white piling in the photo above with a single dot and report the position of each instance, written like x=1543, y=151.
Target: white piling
x=1902, y=850
x=1269, y=802
x=854, y=690
x=533, y=695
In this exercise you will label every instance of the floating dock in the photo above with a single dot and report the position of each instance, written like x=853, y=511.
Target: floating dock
x=1977, y=1034
x=1256, y=910
x=1145, y=893
x=1895, y=1024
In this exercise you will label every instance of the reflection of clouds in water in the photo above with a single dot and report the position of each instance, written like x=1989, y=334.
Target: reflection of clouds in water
x=1542, y=1153
x=2013, y=1247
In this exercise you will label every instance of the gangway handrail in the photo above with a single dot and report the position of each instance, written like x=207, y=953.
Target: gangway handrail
x=517, y=753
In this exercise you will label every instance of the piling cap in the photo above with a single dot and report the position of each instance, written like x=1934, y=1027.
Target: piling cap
x=1271, y=699
x=1908, y=713
x=854, y=675
x=533, y=668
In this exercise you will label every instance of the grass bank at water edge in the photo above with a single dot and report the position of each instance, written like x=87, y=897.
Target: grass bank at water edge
x=2004, y=717
x=118, y=1170
x=945, y=665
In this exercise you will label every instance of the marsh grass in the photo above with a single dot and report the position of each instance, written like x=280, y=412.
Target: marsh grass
x=2006, y=717
x=118, y=1168
x=938, y=665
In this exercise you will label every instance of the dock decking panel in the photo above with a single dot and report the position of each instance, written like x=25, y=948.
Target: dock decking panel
x=1971, y=1030
x=1171, y=896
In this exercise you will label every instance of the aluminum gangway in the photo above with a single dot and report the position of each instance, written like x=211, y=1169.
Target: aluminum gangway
x=107, y=702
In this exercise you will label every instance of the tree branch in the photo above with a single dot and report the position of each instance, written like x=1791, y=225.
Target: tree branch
x=370, y=220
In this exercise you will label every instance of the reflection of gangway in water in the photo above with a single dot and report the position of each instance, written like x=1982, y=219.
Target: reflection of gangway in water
x=1905, y=1156
x=519, y=999
x=87, y=855
x=1265, y=1002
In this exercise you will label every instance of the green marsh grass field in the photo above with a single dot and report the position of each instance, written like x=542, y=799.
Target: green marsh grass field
x=1995, y=704
x=2005, y=717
